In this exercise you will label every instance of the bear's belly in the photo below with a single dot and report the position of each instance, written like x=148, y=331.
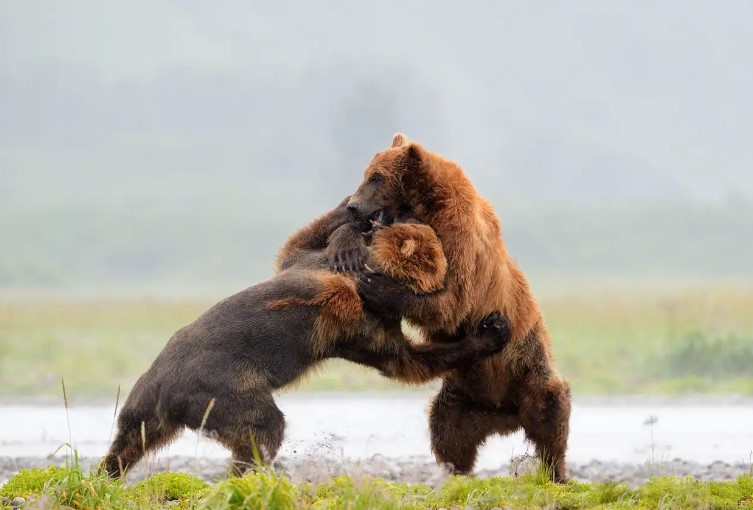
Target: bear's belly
x=486, y=383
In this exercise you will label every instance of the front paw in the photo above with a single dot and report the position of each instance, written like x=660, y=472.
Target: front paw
x=380, y=292
x=495, y=331
x=346, y=249
x=352, y=260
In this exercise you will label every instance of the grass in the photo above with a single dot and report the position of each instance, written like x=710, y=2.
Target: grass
x=74, y=487
x=617, y=340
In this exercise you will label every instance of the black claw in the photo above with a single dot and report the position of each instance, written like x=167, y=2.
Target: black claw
x=494, y=320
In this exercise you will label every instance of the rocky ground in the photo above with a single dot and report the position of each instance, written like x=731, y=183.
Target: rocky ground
x=412, y=470
x=610, y=439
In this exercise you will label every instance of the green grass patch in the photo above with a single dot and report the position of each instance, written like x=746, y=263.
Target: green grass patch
x=31, y=482
x=71, y=487
x=171, y=486
x=606, y=340
x=709, y=356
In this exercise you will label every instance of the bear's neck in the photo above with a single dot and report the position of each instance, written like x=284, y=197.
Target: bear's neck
x=440, y=195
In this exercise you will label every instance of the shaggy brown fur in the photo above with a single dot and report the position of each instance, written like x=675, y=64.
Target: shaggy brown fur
x=519, y=387
x=218, y=373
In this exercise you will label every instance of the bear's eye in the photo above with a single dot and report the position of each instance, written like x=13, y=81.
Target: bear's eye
x=376, y=178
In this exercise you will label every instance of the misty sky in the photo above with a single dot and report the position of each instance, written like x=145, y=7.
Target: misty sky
x=657, y=88
x=181, y=110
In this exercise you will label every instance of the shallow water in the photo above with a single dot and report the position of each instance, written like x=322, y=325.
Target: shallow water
x=358, y=426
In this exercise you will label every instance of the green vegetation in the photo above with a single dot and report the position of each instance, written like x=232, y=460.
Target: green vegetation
x=171, y=486
x=31, y=482
x=71, y=487
x=702, y=355
x=236, y=243
x=607, y=341
x=644, y=340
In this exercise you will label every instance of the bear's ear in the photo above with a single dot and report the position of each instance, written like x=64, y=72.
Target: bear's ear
x=399, y=140
x=414, y=151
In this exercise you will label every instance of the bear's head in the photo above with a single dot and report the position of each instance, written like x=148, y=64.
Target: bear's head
x=390, y=181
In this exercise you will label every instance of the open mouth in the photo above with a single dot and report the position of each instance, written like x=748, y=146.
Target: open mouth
x=381, y=218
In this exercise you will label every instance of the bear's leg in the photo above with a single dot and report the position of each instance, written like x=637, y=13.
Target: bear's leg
x=458, y=427
x=314, y=236
x=137, y=435
x=545, y=416
x=419, y=363
x=252, y=427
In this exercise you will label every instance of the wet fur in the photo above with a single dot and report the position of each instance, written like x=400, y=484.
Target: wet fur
x=518, y=388
x=218, y=373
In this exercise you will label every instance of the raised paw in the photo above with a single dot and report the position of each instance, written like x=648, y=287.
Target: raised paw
x=352, y=260
x=380, y=292
x=496, y=328
x=346, y=249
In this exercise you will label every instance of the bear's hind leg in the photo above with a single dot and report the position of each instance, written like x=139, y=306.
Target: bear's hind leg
x=254, y=428
x=458, y=427
x=545, y=415
x=137, y=435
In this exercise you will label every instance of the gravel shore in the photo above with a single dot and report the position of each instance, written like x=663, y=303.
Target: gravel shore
x=386, y=435
x=410, y=470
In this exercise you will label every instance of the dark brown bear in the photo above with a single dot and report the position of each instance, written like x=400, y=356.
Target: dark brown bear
x=520, y=386
x=218, y=373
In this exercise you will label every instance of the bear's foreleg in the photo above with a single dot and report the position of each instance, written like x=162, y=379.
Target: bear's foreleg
x=313, y=236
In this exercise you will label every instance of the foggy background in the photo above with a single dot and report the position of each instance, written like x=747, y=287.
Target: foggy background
x=155, y=155
x=178, y=143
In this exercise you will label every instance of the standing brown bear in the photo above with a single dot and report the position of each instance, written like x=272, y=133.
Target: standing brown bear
x=520, y=386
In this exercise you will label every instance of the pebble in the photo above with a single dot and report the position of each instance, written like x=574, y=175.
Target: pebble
x=320, y=469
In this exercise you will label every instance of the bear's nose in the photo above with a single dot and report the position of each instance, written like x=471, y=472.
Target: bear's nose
x=352, y=207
